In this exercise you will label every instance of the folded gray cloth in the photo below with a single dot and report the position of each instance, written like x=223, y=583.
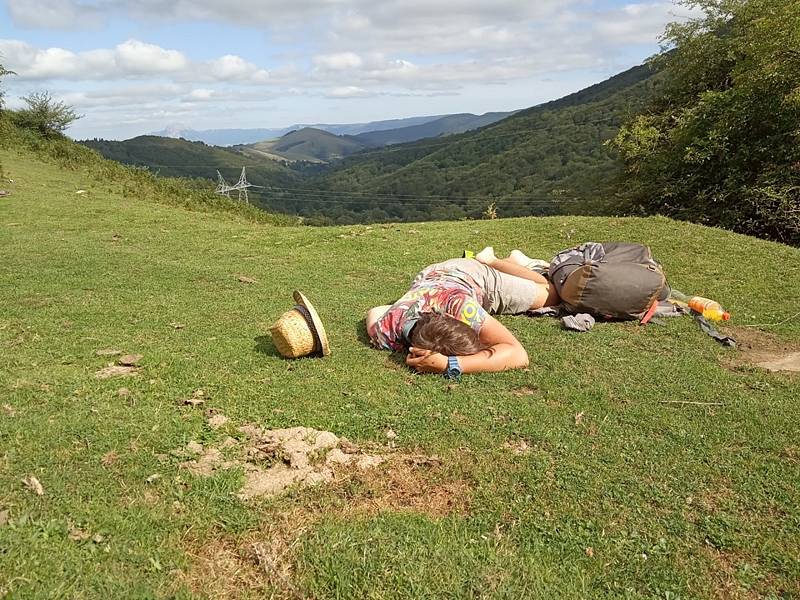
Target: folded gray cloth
x=579, y=322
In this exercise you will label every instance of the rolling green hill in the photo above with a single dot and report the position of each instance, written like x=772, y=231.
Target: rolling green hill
x=546, y=158
x=629, y=462
x=180, y=158
x=307, y=144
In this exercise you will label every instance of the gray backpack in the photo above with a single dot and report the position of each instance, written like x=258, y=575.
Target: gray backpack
x=612, y=280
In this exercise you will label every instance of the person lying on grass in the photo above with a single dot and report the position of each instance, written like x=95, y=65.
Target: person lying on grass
x=445, y=320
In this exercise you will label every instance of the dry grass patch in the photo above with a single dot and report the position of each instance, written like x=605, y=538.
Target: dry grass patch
x=736, y=576
x=764, y=350
x=260, y=563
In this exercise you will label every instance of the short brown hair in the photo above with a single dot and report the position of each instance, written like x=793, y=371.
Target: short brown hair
x=445, y=335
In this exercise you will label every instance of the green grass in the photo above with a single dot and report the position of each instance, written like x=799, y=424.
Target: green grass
x=675, y=501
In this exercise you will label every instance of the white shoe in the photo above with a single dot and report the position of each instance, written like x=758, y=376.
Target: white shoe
x=486, y=256
x=532, y=264
x=519, y=257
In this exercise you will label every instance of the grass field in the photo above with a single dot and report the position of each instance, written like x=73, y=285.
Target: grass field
x=581, y=477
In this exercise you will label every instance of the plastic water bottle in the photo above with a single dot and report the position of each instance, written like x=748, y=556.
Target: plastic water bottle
x=708, y=308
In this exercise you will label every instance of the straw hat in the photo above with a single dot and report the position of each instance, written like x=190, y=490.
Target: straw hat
x=299, y=332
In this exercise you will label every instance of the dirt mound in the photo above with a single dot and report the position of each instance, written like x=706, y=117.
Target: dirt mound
x=276, y=459
x=261, y=562
x=766, y=350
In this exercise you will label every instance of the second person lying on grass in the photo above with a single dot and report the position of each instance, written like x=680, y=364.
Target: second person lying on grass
x=445, y=322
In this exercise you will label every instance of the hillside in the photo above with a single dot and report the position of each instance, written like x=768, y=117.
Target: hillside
x=549, y=158
x=447, y=125
x=181, y=158
x=629, y=461
x=233, y=137
x=307, y=144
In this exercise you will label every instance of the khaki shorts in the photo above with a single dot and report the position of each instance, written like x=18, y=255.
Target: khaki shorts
x=503, y=294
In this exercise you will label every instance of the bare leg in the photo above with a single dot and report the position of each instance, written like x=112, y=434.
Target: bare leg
x=509, y=267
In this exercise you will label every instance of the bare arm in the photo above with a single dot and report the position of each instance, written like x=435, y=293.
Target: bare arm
x=505, y=352
x=373, y=314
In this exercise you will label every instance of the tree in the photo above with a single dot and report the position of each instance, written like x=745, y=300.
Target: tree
x=45, y=115
x=721, y=142
x=3, y=73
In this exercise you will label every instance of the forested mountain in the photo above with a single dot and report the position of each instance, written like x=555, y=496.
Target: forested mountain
x=179, y=158
x=233, y=137
x=439, y=127
x=546, y=159
x=542, y=160
x=307, y=144
x=221, y=137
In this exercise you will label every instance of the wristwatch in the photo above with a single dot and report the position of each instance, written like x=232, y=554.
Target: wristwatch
x=453, y=370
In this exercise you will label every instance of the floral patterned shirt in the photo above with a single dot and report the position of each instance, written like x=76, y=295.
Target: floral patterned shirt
x=437, y=289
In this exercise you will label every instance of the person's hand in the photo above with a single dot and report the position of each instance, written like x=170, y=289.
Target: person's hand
x=426, y=361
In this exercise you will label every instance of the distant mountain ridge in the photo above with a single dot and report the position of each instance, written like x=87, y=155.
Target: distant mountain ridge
x=540, y=160
x=235, y=137
x=403, y=130
x=307, y=144
x=447, y=125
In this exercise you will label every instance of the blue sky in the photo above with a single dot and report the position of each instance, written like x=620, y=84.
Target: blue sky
x=133, y=67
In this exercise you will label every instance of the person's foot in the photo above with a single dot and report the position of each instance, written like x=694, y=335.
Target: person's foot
x=486, y=256
x=519, y=257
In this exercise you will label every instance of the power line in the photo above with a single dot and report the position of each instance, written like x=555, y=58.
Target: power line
x=321, y=198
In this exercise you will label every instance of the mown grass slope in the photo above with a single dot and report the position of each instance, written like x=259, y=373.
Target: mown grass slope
x=618, y=494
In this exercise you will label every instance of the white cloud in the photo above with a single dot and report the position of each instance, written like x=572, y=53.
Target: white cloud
x=235, y=68
x=132, y=59
x=639, y=23
x=127, y=60
x=202, y=95
x=136, y=58
x=54, y=14
x=349, y=91
x=333, y=49
x=338, y=61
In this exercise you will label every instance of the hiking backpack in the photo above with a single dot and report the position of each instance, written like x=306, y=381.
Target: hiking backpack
x=612, y=280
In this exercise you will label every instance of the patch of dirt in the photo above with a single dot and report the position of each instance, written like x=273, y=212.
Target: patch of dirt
x=526, y=391
x=518, y=447
x=32, y=483
x=277, y=459
x=359, y=483
x=764, y=350
x=108, y=352
x=130, y=360
x=260, y=563
x=115, y=371
x=197, y=398
x=218, y=420
x=408, y=484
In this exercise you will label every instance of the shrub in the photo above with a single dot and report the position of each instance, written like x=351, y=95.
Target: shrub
x=45, y=115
